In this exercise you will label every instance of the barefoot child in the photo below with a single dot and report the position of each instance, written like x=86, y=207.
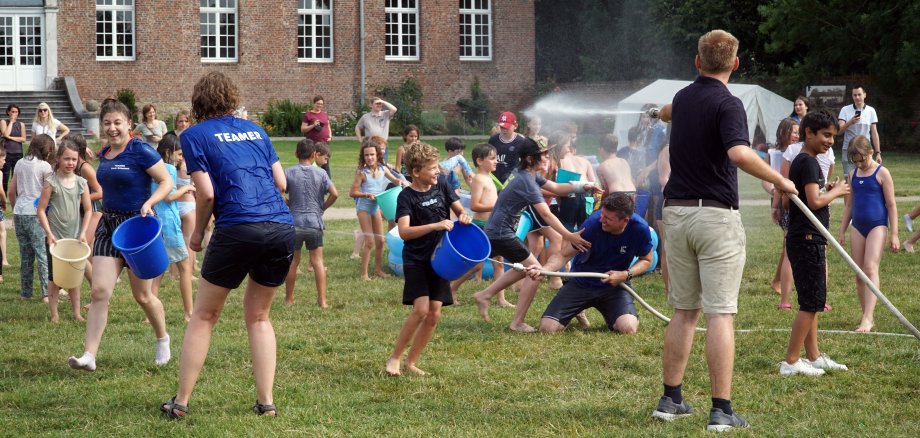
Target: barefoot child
x=410, y=135
x=522, y=191
x=307, y=185
x=168, y=212
x=423, y=215
x=371, y=179
x=806, y=246
x=65, y=192
x=613, y=174
x=786, y=133
x=482, y=200
x=871, y=205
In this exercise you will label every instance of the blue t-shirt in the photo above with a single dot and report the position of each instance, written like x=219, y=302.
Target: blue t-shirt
x=124, y=179
x=238, y=156
x=610, y=252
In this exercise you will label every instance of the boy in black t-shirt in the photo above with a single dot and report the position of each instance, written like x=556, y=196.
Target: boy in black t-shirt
x=806, y=246
x=422, y=215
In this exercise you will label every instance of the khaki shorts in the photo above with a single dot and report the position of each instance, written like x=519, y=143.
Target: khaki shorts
x=705, y=251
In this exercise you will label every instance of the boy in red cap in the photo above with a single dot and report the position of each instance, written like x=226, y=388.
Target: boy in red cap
x=507, y=143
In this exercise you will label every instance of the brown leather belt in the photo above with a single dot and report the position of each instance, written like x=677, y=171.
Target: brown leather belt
x=695, y=203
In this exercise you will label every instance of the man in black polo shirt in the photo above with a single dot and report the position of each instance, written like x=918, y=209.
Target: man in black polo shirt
x=705, y=244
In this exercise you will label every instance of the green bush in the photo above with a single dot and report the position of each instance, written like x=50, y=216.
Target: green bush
x=458, y=126
x=407, y=98
x=283, y=117
x=127, y=97
x=475, y=109
x=433, y=123
x=344, y=125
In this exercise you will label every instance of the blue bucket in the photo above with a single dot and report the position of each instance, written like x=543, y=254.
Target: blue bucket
x=642, y=198
x=524, y=225
x=460, y=250
x=140, y=241
x=654, y=253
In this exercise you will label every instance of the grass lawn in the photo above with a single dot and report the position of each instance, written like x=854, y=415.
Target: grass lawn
x=485, y=381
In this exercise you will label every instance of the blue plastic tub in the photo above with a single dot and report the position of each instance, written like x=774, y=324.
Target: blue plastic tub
x=524, y=225
x=460, y=250
x=140, y=241
x=642, y=197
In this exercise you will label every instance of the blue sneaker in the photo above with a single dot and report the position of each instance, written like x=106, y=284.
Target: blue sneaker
x=667, y=410
x=719, y=421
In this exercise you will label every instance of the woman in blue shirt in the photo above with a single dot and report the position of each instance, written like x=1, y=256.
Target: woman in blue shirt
x=238, y=177
x=127, y=166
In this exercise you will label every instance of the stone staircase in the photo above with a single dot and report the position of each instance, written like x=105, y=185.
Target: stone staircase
x=28, y=101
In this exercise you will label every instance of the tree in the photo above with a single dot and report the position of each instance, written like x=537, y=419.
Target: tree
x=834, y=38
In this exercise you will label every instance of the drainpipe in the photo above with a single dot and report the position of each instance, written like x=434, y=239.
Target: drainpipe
x=361, y=38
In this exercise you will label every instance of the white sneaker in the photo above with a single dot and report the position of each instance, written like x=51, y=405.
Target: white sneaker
x=799, y=367
x=909, y=222
x=823, y=362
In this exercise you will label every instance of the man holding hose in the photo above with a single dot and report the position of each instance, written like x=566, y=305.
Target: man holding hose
x=706, y=241
x=617, y=236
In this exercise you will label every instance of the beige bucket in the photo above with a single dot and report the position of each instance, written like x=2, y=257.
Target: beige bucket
x=68, y=260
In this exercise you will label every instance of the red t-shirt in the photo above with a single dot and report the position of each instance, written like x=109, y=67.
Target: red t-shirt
x=323, y=134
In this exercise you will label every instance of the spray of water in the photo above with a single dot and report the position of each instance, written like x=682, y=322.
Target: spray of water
x=561, y=105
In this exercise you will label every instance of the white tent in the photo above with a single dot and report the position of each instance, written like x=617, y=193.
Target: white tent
x=764, y=107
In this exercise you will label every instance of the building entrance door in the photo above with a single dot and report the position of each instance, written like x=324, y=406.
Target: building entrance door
x=22, y=51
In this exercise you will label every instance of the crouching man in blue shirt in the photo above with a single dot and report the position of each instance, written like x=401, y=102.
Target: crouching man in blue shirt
x=617, y=235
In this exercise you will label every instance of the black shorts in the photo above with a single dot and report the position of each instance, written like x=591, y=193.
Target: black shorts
x=808, y=262
x=513, y=250
x=311, y=238
x=111, y=219
x=263, y=250
x=572, y=211
x=612, y=302
x=536, y=221
x=422, y=281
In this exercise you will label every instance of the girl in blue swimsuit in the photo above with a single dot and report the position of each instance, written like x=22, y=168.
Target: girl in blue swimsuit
x=871, y=206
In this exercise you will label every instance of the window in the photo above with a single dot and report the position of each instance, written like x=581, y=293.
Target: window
x=401, y=30
x=6, y=41
x=314, y=30
x=475, y=30
x=218, y=31
x=115, y=30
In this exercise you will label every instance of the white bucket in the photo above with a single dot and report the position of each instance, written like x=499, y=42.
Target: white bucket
x=68, y=260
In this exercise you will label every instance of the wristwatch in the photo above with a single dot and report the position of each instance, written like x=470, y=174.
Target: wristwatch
x=629, y=275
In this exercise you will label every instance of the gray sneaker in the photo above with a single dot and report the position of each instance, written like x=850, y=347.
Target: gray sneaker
x=719, y=421
x=667, y=410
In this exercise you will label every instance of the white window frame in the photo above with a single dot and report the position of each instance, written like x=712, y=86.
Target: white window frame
x=317, y=12
x=472, y=12
x=113, y=7
x=215, y=12
x=399, y=11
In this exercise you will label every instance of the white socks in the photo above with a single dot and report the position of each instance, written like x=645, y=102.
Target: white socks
x=162, y=354
x=86, y=362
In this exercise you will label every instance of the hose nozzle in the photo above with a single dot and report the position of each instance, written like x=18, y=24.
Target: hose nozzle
x=653, y=113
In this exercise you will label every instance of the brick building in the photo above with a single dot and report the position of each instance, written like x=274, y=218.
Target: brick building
x=273, y=49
